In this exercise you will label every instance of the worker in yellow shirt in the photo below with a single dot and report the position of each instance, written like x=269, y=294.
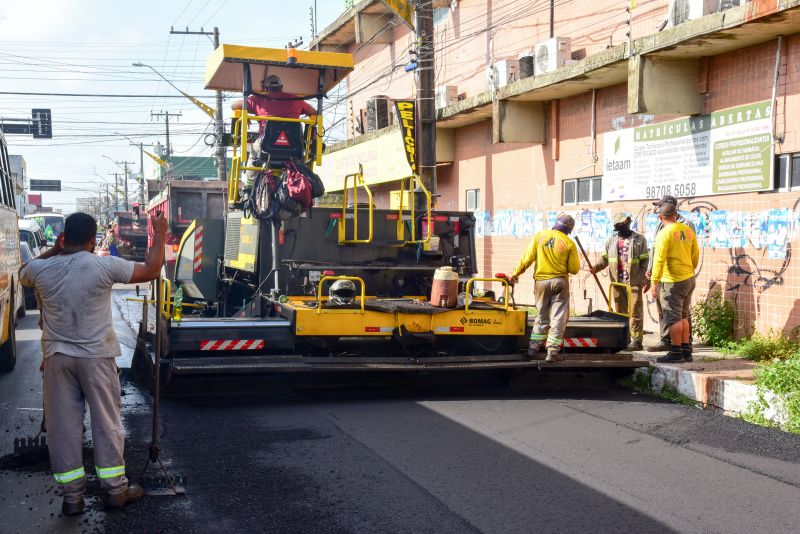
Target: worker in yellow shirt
x=675, y=259
x=555, y=257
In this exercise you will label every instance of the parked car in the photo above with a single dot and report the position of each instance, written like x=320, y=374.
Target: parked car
x=31, y=233
x=25, y=255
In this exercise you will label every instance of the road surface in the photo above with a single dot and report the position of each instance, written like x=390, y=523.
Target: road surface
x=415, y=458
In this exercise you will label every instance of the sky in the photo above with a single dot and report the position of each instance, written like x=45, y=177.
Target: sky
x=87, y=46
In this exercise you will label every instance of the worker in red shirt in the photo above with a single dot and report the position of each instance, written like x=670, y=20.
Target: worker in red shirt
x=275, y=103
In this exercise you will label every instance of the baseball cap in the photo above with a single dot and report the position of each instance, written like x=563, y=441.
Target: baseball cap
x=666, y=199
x=620, y=217
x=667, y=209
x=272, y=81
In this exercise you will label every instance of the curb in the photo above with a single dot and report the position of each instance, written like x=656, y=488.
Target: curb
x=709, y=389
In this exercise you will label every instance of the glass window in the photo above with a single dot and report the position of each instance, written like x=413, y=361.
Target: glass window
x=597, y=189
x=781, y=171
x=440, y=15
x=584, y=191
x=473, y=199
x=795, y=181
x=569, y=191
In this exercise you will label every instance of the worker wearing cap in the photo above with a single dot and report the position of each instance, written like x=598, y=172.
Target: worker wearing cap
x=275, y=103
x=627, y=254
x=554, y=257
x=676, y=255
x=663, y=331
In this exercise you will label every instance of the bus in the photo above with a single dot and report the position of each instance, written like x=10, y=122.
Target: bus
x=10, y=291
x=53, y=221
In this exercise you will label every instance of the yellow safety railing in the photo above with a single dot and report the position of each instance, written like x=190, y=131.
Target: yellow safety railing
x=628, y=291
x=353, y=278
x=239, y=157
x=166, y=301
x=414, y=182
x=358, y=182
x=467, y=290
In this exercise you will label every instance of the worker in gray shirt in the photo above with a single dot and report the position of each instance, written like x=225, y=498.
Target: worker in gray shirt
x=79, y=348
x=664, y=343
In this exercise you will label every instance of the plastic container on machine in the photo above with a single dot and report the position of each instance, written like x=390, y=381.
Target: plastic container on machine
x=444, y=291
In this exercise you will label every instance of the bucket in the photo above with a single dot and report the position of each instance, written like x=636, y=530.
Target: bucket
x=444, y=291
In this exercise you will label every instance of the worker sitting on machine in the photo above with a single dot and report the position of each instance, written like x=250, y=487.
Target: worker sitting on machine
x=279, y=140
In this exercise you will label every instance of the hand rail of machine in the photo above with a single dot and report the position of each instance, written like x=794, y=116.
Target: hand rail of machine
x=166, y=301
x=628, y=290
x=358, y=180
x=353, y=278
x=240, y=145
x=414, y=182
x=503, y=281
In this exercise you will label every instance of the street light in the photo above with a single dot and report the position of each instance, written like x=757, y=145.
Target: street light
x=215, y=114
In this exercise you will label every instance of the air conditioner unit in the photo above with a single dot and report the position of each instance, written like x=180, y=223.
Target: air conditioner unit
x=507, y=71
x=377, y=113
x=446, y=95
x=727, y=4
x=551, y=54
x=682, y=10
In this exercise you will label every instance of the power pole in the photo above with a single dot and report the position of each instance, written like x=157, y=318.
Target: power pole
x=142, y=181
x=222, y=151
x=166, y=115
x=426, y=93
x=116, y=190
x=127, y=172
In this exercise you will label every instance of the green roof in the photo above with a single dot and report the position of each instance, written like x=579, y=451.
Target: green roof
x=202, y=167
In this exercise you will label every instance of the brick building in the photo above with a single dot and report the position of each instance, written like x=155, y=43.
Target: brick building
x=702, y=102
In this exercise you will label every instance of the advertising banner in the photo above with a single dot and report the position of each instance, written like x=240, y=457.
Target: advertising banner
x=407, y=116
x=728, y=151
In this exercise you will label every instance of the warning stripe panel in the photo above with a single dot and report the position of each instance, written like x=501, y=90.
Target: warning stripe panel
x=446, y=329
x=580, y=342
x=231, y=344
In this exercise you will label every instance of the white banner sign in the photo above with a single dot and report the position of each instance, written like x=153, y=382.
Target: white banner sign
x=728, y=151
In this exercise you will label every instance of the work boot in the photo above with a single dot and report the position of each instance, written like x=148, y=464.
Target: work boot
x=72, y=507
x=635, y=344
x=675, y=355
x=662, y=346
x=133, y=493
x=534, y=349
x=554, y=354
x=686, y=350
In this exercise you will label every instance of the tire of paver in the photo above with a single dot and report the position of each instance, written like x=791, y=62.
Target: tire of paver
x=8, y=350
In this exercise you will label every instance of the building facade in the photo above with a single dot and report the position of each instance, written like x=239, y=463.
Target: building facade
x=616, y=107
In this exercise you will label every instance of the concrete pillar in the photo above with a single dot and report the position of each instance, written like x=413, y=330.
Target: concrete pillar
x=663, y=86
x=518, y=122
x=373, y=28
x=445, y=145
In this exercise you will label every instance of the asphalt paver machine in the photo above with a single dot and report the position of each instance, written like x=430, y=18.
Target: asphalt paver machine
x=343, y=288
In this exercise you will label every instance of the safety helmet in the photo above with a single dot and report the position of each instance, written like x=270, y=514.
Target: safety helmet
x=342, y=292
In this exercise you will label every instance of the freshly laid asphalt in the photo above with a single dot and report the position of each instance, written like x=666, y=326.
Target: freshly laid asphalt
x=471, y=456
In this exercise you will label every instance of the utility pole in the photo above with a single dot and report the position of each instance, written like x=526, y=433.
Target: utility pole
x=166, y=115
x=222, y=151
x=127, y=172
x=116, y=190
x=426, y=92
x=142, y=181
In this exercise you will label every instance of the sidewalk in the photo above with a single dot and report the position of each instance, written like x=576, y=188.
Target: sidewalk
x=713, y=379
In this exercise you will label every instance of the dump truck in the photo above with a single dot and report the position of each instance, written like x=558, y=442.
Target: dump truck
x=181, y=202
x=130, y=235
x=345, y=288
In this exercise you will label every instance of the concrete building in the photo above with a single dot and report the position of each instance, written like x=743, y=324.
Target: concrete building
x=701, y=102
x=19, y=177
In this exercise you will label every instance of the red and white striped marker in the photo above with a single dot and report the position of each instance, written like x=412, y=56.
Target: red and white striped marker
x=580, y=342
x=198, y=249
x=232, y=344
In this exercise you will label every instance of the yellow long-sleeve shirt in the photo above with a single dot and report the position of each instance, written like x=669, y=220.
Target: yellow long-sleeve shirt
x=676, y=254
x=553, y=253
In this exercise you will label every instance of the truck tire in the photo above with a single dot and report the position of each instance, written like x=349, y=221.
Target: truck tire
x=22, y=310
x=8, y=350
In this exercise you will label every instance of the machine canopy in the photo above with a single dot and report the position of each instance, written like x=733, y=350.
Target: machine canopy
x=224, y=70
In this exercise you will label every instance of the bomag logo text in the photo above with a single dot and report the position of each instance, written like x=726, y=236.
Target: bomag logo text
x=476, y=322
